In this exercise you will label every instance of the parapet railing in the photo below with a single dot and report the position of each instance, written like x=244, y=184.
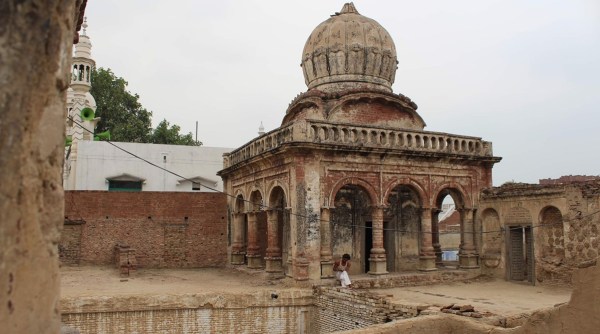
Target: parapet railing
x=311, y=131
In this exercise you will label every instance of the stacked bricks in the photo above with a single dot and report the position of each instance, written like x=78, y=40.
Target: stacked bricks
x=125, y=259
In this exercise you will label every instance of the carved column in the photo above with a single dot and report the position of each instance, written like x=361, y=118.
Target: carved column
x=435, y=229
x=273, y=258
x=253, y=255
x=326, y=257
x=237, y=247
x=427, y=253
x=468, y=257
x=377, y=261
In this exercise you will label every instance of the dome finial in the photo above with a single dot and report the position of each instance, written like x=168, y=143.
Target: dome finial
x=84, y=25
x=348, y=8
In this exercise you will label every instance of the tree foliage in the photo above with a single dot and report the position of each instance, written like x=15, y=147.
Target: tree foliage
x=124, y=116
x=119, y=110
x=165, y=134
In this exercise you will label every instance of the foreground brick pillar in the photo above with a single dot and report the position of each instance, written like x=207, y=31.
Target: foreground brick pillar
x=427, y=253
x=468, y=258
x=326, y=257
x=273, y=258
x=36, y=39
x=377, y=261
x=253, y=255
x=237, y=247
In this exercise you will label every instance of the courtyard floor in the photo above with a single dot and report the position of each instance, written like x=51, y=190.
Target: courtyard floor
x=497, y=297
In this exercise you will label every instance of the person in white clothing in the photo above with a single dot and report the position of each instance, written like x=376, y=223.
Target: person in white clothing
x=341, y=268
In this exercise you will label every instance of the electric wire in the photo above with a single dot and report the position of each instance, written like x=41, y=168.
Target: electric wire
x=313, y=218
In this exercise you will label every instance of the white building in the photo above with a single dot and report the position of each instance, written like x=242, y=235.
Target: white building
x=102, y=166
x=99, y=165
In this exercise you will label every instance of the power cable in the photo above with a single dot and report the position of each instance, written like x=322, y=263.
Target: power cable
x=312, y=218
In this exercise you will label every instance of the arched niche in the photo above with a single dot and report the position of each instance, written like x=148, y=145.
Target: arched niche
x=492, y=238
x=550, y=247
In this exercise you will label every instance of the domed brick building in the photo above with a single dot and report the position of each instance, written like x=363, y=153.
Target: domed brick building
x=350, y=169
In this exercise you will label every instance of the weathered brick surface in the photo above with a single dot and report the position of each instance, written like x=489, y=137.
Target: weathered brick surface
x=565, y=221
x=341, y=309
x=69, y=249
x=257, y=313
x=166, y=229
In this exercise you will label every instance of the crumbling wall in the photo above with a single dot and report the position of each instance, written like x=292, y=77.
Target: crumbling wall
x=565, y=220
x=258, y=312
x=36, y=40
x=340, y=309
x=580, y=315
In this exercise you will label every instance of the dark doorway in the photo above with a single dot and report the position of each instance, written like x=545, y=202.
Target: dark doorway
x=520, y=254
x=368, y=244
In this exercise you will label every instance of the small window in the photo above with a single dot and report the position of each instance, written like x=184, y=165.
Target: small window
x=195, y=186
x=114, y=185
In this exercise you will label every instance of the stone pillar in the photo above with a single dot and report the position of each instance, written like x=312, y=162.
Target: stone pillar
x=35, y=46
x=253, y=254
x=435, y=229
x=237, y=247
x=273, y=258
x=326, y=256
x=468, y=257
x=427, y=253
x=377, y=261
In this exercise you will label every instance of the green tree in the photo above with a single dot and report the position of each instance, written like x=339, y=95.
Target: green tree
x=165, y=134
x=119, y=110
x=124, y=116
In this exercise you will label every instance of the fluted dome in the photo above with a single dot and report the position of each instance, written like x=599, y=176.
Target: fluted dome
x=349, y=50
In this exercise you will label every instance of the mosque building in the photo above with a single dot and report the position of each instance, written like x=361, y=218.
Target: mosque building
x=92, y=164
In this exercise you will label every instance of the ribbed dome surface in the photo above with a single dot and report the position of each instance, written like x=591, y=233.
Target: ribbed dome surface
x=349, y=48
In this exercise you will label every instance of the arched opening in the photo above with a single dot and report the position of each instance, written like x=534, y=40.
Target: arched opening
x=277, y=227
x=402, y=227
x=448, y=227
x=351, y=228
x=550, y=247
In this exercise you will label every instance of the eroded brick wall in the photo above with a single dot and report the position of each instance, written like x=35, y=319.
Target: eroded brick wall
x=253, y=312
x=340, y=309
x=175, y=230
x=69, y=248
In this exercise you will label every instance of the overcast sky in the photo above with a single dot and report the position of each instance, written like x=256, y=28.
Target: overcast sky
x=524, y=75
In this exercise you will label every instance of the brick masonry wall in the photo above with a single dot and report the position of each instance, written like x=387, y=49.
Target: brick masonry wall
x=257, y=312
x=195, y=321
x=167, y=230
x=340, y=309
x=69, y=247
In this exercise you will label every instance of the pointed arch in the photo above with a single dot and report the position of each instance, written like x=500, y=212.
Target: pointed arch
x=461, y=197
x=272, y=188
x=369, y=189
x=411, y=183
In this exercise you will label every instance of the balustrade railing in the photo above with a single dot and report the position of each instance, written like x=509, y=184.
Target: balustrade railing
x=364, y=136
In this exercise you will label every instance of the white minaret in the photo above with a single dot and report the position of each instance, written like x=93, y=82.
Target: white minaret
x=80, y=103
x=261, y=129
x=81, y=106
